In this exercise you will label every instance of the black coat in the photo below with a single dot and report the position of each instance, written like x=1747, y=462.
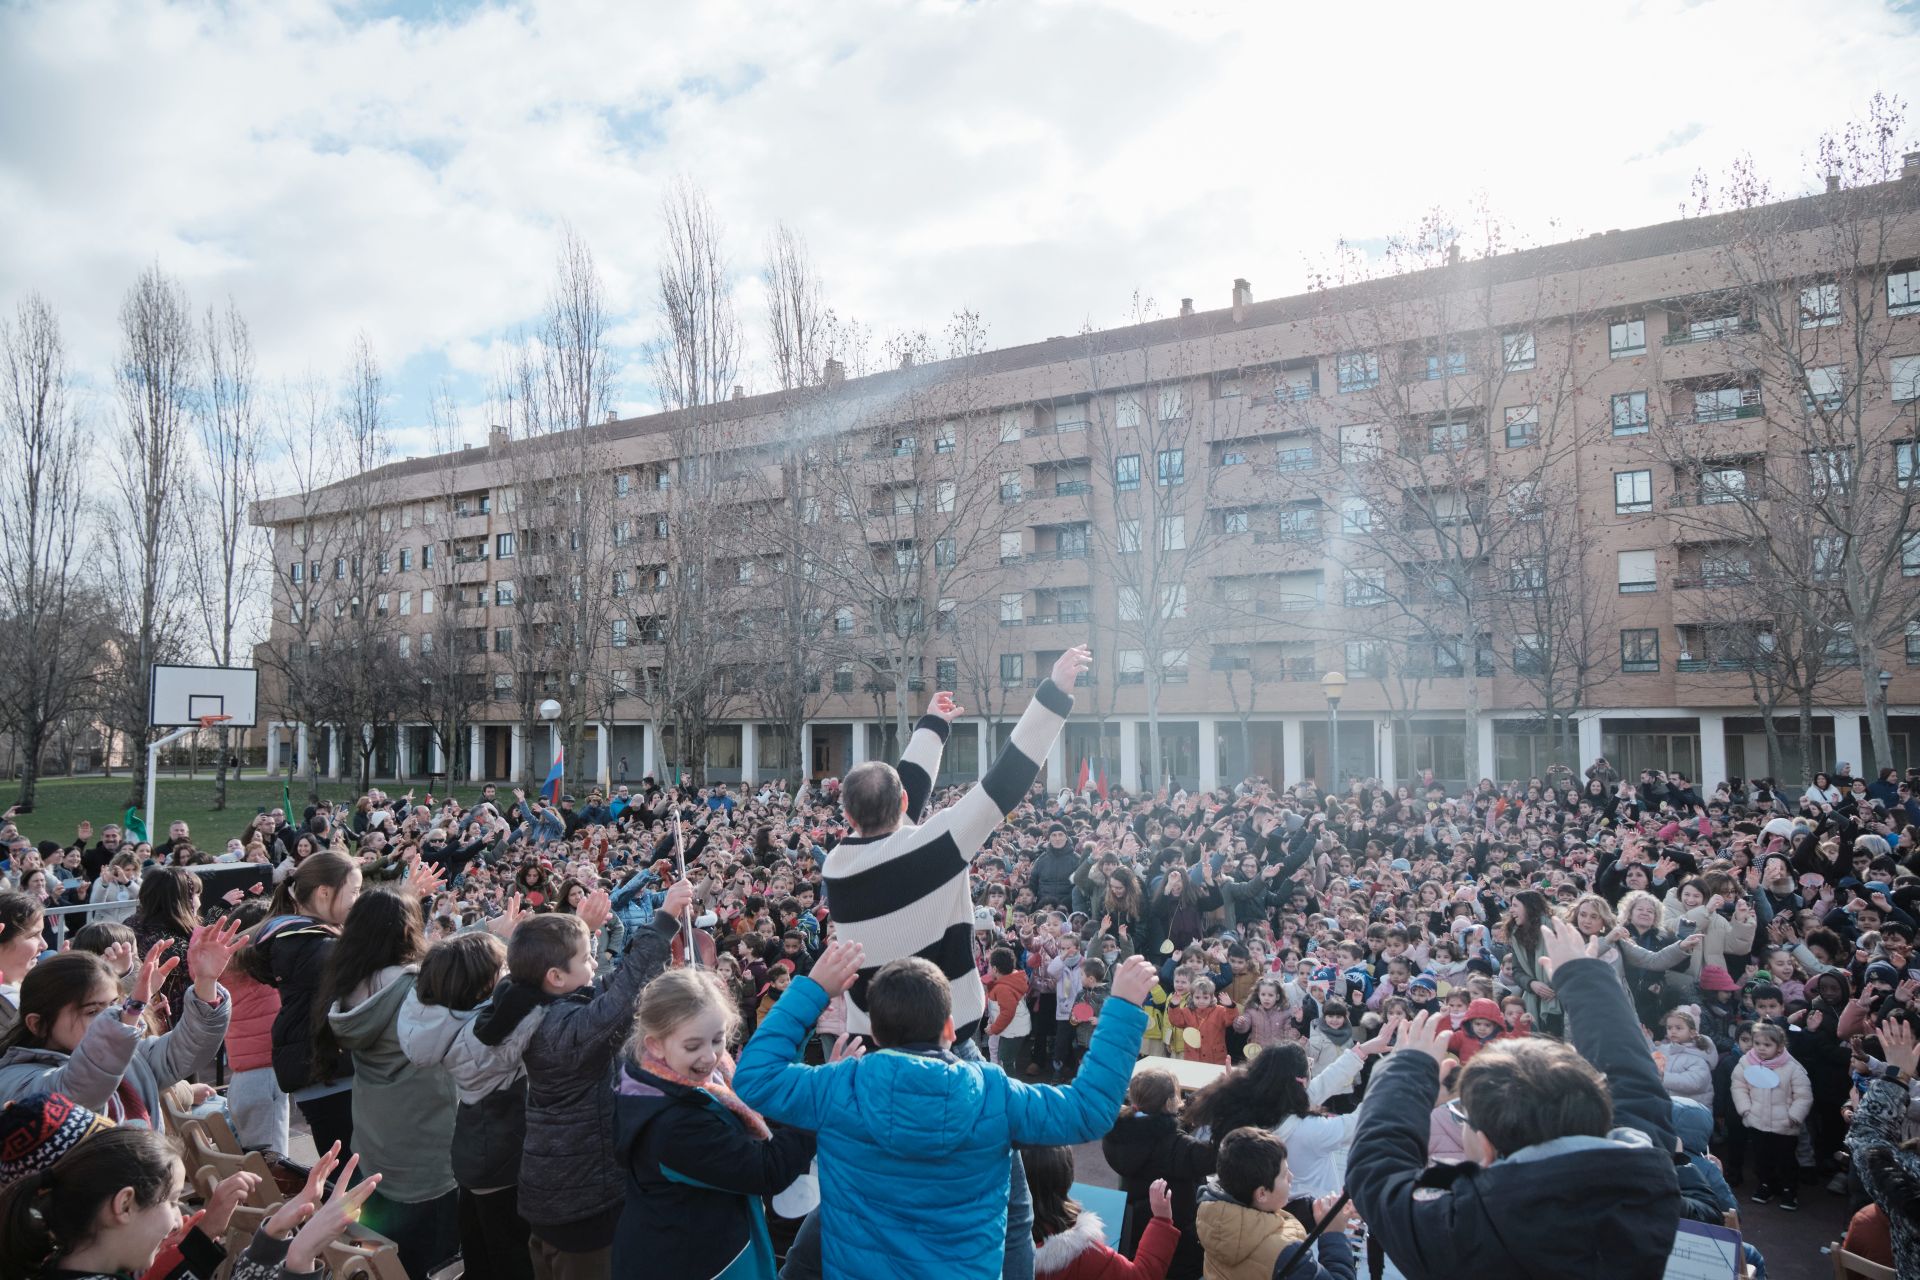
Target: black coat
x=1052, y=876
x=1141, y=1149
x=1605, y=1208
x=296, y=950
x=694, y=1179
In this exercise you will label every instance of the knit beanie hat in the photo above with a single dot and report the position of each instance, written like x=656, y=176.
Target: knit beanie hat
x=37, y=1130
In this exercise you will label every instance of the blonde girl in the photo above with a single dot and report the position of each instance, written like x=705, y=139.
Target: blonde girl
x=698, y=1159
x=1688, y=1057
x=1772, y=1095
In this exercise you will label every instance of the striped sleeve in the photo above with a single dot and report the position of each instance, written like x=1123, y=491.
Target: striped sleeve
x=1013, y=771
x=921, y=764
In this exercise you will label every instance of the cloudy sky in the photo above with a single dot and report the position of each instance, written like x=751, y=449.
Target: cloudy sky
x=403, y=168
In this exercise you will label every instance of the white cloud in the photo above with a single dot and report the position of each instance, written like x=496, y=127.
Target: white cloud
x=335, y=170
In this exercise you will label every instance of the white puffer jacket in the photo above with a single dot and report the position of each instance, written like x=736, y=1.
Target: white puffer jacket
x=1689, y=1071
x=1780, y=1108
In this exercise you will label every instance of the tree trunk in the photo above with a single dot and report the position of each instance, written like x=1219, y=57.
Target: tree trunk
x=1876, y=704
x=220, y=768
x=1154, y=772
x=136, y=765
x=1807, y=765
x=1776, y=750
x=30, y=766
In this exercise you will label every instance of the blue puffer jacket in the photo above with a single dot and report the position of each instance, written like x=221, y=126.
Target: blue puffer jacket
x=913, y=1147
x=636, y=900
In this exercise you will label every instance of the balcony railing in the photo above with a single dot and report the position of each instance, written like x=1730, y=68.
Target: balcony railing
x=1264, y=537
x=1710, y=331
x=1748, y=407
x=1072, y=488
x=1694, y=666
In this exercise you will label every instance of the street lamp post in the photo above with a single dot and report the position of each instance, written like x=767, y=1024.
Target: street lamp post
x=1333, y=684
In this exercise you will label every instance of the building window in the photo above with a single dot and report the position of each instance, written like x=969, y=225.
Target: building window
x=1127, y=411
x=1630, y=413
x=1128, y=538
x=1126, y=472
x=1131, y=667
x=1359, y=442
x=1009, y=547
x=1632, y=492
x=1523, y=426
x=1173, y=404
x=1903, y=291
x=406, y=646
x=1126, y=604
x=946, y=672
x=1450, y=436
x=1826, y=386
x=619, y=633
x=406, y=603
x=1235, y=520
x=503, y=547
x=1820, y=305
x=426, y=602
x=1011, y=608
x=1627, y=338
x=1639, y=572
x=943, y=438
x=1356, y=370
x=1450, y=363
x=622, y=484
x=1356, y=516
x=1829, y=471
x=296, y=571
x=1529, y=656
x=1517, y=347
x=946, y=553
x=1905, y=379
x=503, y=640
x=1910, y=556
x=944, y=494
x=843, y=621
x=1640, y=649
x=1013, y=670
x=1906, y=458
x=1365, y=588
x=1173, y=533
x=1366, y=657
x=503, y=593
x=1294, y=458
x=426, y=556
x=1720, y=485
x=1173, y=666
x=1233, y=458
x=905, y=446
x=406, y=559
x=1009, y=486
x=1527, y=575
x=1012, y=425
x=843, y=678
x=1170, y=466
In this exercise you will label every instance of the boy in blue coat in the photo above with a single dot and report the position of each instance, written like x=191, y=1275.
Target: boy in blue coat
x=914, y=1141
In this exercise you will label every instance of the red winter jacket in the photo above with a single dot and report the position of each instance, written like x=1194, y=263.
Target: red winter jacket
x=1463, y=1044
x=1081, y=1253
x=250, y=1033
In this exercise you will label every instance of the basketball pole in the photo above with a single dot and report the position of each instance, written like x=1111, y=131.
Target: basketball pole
x=153, y=766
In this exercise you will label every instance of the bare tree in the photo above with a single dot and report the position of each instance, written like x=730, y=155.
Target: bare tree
x=156, y=376
x=1818, y=281
x=797, y=332
x=697, y=356
x=1455, y=413
x=53, y=652
x=224, y=548
x=1143, y=430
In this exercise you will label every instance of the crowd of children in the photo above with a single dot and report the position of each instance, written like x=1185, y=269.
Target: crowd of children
x=490, y=1007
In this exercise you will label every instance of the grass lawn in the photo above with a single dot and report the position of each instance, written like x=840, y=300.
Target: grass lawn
x=61, y=803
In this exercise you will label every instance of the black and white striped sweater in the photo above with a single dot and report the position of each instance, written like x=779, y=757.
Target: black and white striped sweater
x=907, y=893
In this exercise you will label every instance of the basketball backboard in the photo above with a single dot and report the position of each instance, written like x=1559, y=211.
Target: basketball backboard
x=180, y=696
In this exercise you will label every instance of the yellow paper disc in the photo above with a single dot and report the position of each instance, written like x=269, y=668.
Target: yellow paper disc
x=1252, y=1051
x=1192, y=1037
x=1166, y=948
x=1443, y=986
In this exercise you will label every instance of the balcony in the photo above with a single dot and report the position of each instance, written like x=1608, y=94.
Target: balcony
x=1057, y=553
x=1697, y=666
x=1072, y=488
x=1713, y=330
x=1129, y=677
x=1219, y=663
x=1312, y=533
x=1725, y=410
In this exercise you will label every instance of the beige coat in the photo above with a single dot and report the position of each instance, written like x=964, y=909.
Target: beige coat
x=1780, y=1109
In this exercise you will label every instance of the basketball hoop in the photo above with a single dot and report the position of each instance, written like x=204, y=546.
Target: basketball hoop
x=208, y=722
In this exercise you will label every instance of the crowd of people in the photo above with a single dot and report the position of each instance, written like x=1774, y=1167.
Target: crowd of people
x=855, y=1027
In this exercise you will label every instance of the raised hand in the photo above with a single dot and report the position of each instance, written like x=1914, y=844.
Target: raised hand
x=1563, y=943
x=594, y=910
x=1069, y=665
x=1382, y=1042
x=1427, y=1033
x=119, y=958
x=679, y=898
x=1159, y=1201
x=228, y=1194
x=1134, y=980
x=502, y=925
x=153, y=972
x=944, y=706
x=209, y=951
x=845, y=1047
x=838, y=966
x=330, y=1220
x=426, y=879
x=1898, y=1047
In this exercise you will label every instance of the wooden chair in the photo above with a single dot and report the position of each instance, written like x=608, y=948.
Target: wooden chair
x=365, y=1255
x=216, y=1166
x=1851, y=1266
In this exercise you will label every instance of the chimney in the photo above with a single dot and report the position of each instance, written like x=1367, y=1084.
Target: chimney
x=834, y=373
x=1242, y=298
x=906, y=359
x=1833, y=183
x=1186, y=306
x=496, y=437
x=1910, y=164
x=1453, y=254
x=612, y=416
x=738, y=393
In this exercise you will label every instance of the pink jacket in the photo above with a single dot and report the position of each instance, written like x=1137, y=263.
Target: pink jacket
x=250, y=1033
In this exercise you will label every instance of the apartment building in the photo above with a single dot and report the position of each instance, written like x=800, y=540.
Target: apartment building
x=1559, y=482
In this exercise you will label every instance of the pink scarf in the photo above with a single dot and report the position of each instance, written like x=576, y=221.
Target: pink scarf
x=1772, y=1064
x=719, y=1085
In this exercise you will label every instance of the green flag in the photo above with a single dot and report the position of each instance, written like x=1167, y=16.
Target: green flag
x=135, y=829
